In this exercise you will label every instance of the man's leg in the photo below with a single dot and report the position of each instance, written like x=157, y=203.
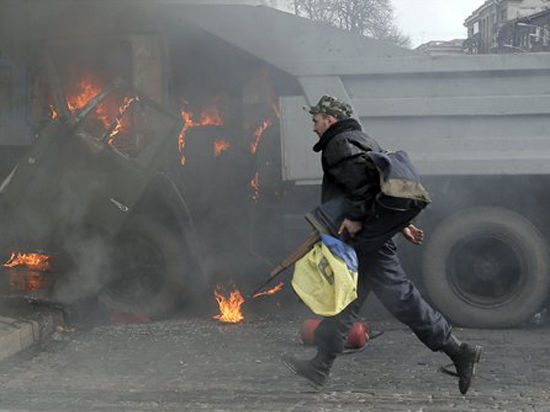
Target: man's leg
x=330, y=336
x=332, y=332
x=387, y=279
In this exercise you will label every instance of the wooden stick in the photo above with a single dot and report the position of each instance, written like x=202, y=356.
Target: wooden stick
x=298, y=253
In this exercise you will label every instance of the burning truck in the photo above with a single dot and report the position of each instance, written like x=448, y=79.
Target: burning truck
x=78, y=199
x=203, y=149
x=117, y=183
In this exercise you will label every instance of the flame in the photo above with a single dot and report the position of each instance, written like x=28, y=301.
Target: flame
x=187, y=123
x=109, y=112
x=271, y=291
x=53, y=113
x=220, y=146
x=33, y=261
x=230, y=309
x=85, y=90
x=255, y=185
x=266, y=124
x=120, y=124
x=24, y=280
x=210, y=116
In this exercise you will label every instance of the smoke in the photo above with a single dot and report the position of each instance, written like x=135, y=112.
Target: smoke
x=90, y=273
x=242, y=232
x=241, y=227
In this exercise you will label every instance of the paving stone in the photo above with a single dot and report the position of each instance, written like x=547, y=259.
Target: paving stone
x=199, y=364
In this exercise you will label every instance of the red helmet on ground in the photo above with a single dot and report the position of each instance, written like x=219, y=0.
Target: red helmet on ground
x=357, y=336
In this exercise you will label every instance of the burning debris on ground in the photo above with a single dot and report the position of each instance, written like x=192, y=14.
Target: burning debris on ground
x=29, y=271
x=230, y=307
x=33, y=261
x=271, y=291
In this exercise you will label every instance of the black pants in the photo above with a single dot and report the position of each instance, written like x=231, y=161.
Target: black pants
x=380, y=272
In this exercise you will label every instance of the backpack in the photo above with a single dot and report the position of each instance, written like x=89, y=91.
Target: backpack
x=401, y=198
x=400, y=187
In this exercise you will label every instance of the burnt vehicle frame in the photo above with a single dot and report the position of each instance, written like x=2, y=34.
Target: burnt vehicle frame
x=115, y=221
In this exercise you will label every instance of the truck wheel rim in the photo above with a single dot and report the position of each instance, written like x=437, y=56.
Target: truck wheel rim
x=486, y=270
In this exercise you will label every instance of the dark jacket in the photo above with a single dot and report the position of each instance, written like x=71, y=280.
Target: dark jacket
x=354, y=169
x=346, y=168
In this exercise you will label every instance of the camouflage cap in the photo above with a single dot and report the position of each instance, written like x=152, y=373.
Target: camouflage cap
x=331, y=106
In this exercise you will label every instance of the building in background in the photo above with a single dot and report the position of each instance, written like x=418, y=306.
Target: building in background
x=486, y=22
x=526, y=34
x=436, y=47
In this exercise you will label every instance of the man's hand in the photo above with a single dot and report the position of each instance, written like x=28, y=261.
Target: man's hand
x=413, y=234
x=352, y=226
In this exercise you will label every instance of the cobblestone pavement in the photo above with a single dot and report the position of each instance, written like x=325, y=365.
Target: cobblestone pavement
x=193, y=364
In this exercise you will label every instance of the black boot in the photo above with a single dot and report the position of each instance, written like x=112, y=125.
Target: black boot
x=315, y=370
x=464, y=357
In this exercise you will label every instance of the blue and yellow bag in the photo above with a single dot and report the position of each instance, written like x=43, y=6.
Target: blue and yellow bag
x=326, y=277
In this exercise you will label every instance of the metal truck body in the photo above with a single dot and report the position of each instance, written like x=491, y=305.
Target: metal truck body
x=477, y=128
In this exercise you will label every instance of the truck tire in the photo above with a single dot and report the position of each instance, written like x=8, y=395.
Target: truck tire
x=487, y=268
x=147, y=266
